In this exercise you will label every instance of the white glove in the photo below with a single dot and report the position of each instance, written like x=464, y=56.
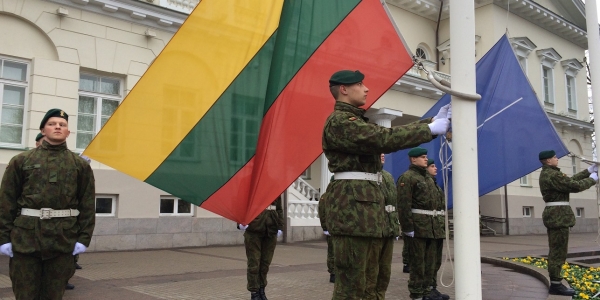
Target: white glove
x=397, y=238
x=242, y=227
x=279, y=233
x=79, y=248
x=445, y=112
x=411, y=234
x=593, y=168
x=85, y=157
x=6, y=249
x=439, y=126
x=326, y=232
x=594, y=176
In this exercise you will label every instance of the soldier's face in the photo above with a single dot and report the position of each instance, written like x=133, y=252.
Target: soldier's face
x=382, y=158
x=553, y=161
x=56, y=130
x=355, y=93
x=432, y=169
x=420, y=161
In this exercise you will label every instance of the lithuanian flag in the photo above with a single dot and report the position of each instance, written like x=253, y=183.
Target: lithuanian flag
x=232, y=110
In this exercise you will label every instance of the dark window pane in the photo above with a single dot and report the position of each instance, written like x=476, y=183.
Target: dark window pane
x=183, y=207
x=104, y=205
x=167, y=206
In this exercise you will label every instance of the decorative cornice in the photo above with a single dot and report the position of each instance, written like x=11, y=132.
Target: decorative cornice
x=549, y=57
x=561, y=122
x=571, y=66
x=133, y=11
x=522, y=46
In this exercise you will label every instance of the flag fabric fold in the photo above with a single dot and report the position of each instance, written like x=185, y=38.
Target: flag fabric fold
x=232, y=111
x=512, y=126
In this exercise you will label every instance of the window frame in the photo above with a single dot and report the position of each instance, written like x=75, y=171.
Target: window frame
x=571, y=88
x=99, y=98
x=548, y=96
x=524, y=181
x=527, y=211
x=175, y=208
x=113, y=207
x=21, y=84
x=579, y=212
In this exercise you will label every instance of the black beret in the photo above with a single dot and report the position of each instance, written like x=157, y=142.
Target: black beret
x=346, y=77
x=416, y=152
x=39, y=137
x=547, y=154
x=55, y=112
x=430, y=162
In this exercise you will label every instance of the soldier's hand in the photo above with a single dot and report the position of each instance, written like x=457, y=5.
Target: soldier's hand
x=593, y=168
x=594, y=176
x=79, y=248
x=6, y=249
x=242, y=227
x=326, y=232
x=397, y=238
x=439, y=126
x=445, y=112
x=279, y=233
x=411, y=234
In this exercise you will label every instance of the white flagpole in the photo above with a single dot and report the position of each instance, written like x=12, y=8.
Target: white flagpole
x=467, y=251
x=591, y=19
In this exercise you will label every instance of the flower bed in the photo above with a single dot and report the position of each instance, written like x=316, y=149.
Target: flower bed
x=586, y=281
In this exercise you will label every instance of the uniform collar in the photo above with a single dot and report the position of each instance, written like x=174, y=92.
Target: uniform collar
x=51, y=147
x=421, y=170
x=343, y=106
x=550, y=167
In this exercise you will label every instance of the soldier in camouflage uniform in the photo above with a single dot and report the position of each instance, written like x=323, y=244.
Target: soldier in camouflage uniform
x=439, y=233
x=47, y=212
x=322, y=218
x=260, y=239
x=419, y=208
x=379, y=265
x=558, y=216
x=356, y=216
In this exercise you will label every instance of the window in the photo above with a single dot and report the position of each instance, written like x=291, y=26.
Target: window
x=525, y=181
x=547, y=85
x=579, y=212
x=171, y=206
x=13, y=93
x=571, y=95
x=421, y=53
x=99, y=97
x=106, y=205
x=527, y=211
x=306, y=174
x=573, y=165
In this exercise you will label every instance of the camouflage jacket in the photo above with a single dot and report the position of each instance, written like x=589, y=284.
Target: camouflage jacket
x=49, y=176
x=357, y=207
x=416, y=190
x=268, y=221
x=439, y=222
x=321, y=209
x=556, y=187
x=389, y=190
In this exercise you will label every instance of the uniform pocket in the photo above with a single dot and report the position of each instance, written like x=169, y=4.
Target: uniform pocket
x=22, y=236
x=366, y=191
x=25, y=222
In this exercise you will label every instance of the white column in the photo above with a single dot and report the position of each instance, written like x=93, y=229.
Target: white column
x=325, y=174
x=464, y=151
x=383, y=116
x=591, y=19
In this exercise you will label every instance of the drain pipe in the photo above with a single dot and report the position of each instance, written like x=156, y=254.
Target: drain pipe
x=506, y=209
x=437, y=37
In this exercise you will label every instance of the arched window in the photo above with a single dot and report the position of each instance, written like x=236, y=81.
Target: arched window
x=421, y=53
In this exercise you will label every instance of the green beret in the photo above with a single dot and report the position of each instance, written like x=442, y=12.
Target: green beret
x=430, y=162
x=547, y=154
x=346, y=77
x=416, y=152
x=39, y=137
x=55, y=112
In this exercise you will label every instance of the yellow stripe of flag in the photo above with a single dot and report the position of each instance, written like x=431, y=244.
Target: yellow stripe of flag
x=210, y=49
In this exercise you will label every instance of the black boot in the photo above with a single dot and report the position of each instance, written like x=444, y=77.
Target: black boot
x=332, y=278
x=77, y=266
x=406, y=269
x=261, y=292
x=69, y=286
x=436, y=294
x=255, y=296
x=560, y=289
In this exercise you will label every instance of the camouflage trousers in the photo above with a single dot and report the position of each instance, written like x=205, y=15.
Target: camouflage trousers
x=75, y=259
x=438, y=245
x=379, y=269
x=558, y=244
x=405, y=254
x=422, y=259
x=259, y=252
x=34, y=278
x=330, y=263
x=350, y=255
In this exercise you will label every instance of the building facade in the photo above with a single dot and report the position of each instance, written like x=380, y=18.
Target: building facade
x=85, y=56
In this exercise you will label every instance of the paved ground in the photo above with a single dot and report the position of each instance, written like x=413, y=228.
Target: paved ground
x=298, y=272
